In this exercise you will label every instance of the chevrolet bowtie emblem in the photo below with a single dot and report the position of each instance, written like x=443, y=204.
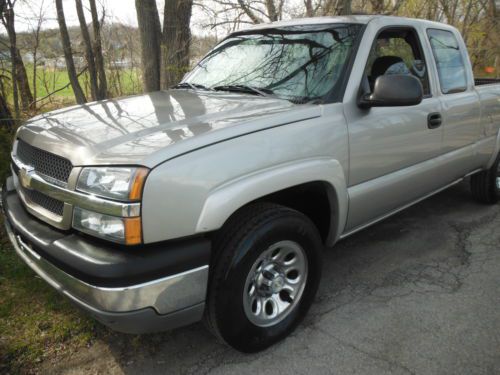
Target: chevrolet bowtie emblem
x=25, y=174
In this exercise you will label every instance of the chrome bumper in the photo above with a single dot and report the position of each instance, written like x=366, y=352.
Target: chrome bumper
x=164, y=295
x=159, y=304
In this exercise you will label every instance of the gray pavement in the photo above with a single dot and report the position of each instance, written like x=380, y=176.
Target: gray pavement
x=416, y=294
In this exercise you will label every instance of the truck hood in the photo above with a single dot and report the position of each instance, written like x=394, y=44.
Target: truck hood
x=150, y=129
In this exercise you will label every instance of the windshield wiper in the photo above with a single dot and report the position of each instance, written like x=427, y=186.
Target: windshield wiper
x=305, y=100
x=192, y=86
x=245, y=89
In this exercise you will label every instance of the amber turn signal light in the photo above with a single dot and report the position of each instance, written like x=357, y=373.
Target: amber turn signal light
x=138, y=183
x=133, y=231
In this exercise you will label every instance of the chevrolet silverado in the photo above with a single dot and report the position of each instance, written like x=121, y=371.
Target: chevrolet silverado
x=215, y=199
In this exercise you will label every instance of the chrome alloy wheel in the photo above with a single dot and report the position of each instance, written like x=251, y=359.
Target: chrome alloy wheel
x=275, y=283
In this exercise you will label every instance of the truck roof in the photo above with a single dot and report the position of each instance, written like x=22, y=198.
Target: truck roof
x=359, y=19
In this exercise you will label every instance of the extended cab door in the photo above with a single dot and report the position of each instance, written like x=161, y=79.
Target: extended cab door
x=391, y=149
x=460, y=102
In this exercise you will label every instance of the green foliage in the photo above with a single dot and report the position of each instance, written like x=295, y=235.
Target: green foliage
x=35, y=321
x=5, y=146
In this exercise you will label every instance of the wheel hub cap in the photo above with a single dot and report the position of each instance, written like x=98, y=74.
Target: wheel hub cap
x=269, y=280
x=275, y=283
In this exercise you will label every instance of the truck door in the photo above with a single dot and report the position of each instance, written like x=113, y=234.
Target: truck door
x=390, y=147
x=460, y=102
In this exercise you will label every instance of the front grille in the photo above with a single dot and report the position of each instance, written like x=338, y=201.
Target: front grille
x=44, y=162
x=50, y=204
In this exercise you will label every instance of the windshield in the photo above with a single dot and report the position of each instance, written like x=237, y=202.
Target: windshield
x=290, y=63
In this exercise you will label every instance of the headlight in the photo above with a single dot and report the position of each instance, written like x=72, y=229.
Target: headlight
x=120, y=183
x=117, y=183
x=117, y=229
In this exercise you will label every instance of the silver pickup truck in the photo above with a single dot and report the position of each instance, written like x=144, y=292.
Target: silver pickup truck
x=214, y=200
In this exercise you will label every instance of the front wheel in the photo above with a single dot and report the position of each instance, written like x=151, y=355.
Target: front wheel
x=266, y=273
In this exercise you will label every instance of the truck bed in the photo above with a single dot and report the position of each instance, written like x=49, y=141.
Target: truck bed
x=486, y=81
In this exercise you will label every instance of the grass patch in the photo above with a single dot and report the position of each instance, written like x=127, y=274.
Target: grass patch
x=121, y=82
x=36, y=322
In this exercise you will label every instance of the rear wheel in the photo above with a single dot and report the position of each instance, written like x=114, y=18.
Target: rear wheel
x=265, y=275
x=485, y=185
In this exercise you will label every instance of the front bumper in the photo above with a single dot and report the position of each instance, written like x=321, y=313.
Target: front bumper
x=153, y=288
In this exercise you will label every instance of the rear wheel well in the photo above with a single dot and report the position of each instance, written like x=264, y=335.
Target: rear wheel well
x=313, y=199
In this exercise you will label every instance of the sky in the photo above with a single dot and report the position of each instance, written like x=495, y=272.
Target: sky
x=122, y=10
x=116, y=11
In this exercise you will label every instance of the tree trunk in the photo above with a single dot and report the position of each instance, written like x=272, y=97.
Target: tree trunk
x=99, y=59
x=68, y=54
x=309, y=8
x=494, y=34
x=6, y=121
x=20, y=83
x=271, y=10
x=89, y=53
x=8, y=18
x=330, y=8
x=432, y=10
x=36, y=47
x=150, y=34
x=23, y=83
x=497, y=66
x=176, y=41
x=249, y=12
x=345, y=7
x=377, y=6
x=34, y=78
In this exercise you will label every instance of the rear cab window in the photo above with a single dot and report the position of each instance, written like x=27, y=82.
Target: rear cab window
x=449, y=61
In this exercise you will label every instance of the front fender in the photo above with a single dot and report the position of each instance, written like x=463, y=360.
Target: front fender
x=175, y=206
x=198, y=191
x=226, y=199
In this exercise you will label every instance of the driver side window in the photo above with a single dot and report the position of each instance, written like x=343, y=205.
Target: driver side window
x=397, y=51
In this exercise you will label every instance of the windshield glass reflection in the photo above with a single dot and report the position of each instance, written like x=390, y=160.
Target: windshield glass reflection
x=293, y=64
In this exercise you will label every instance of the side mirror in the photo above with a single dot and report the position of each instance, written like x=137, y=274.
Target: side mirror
x=393, y=91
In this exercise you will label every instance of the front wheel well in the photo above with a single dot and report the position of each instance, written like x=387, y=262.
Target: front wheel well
x=313, y=199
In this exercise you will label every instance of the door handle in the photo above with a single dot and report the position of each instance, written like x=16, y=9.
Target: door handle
x=434, y=120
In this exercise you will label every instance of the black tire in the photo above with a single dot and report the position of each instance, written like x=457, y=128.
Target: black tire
x=237, y=247
x=484, y=185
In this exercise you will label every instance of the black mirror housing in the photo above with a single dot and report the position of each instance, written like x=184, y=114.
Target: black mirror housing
x=394, y=91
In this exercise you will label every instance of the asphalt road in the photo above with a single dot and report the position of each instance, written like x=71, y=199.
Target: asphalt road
x=416, y=294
